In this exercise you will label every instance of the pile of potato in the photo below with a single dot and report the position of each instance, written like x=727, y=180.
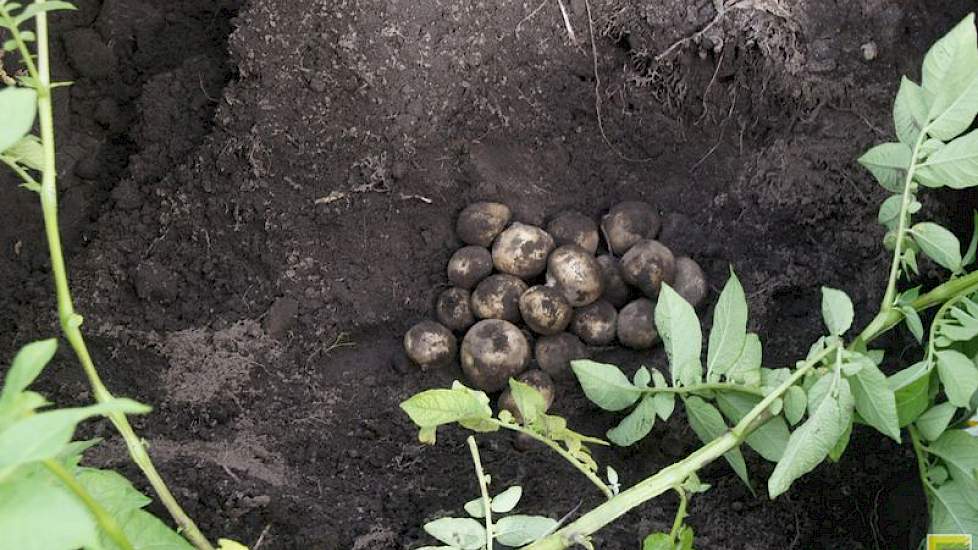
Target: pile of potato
x=523, y=292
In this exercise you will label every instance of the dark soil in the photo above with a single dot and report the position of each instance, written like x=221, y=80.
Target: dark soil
x=258, y=200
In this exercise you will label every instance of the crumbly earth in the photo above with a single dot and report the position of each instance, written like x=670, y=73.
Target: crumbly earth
x=258, y=199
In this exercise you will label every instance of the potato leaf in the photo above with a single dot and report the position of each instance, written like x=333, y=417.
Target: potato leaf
x=949, y=72
x=932, y=423
x=529, y=401
x=114, y=492
x=432, y=408
x=959, y=451
x=658, y=541
x=959, y=376
x=517, y=530
x=27, y=151
x=505, y=501
x=836, y=311
x=636, y=425
x=769, y=439
x=875, y=401
x=38, y=513
x=889, y=214
x=910, y=387
x=795, y=402
x=810, y=444
x=889, y=163
x=954, y=165
x=605, y=385
x=464, y=533
x=27, y=366
x=909, y=111
x=729, y=329
x=708, y=424
x=19, y=106
x=952, y=512
x=681, y=335
x=147, y=532
x=939, y=244
x=747, y=369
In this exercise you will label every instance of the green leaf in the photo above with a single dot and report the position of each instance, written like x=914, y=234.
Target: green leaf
x=681, y=335
x=146, y=532
x=889, y=163
x=932, y=423
x=954, y=165
x=33, y=9
x=747, y=369
x=840, y=446
x=910, y=387
x=708, y=424
x=913, y=321
x=952, y=512
x=889, y=214
x=465, y=533
x=795, y=402
x=658, y=541
x=836, y=311
x=38, y=513
x=114, y=492
x=729, y=328
x=875, y=401
x=665, y=402
x=45, y=434
x=969, y=255
x=642, y=377
x=529, y=400
x=605, y=385
x=517, y=530
x=432, y=408
x=810, y=444
x=770, y=439
x=959, y=376
x=909, y=111
x=19, y=106
x=949, y=72
x=939, y=244
x=505, y=501
x=685, y=537
x=28, y=152
x=959, y=451
x=636, y=425
x=27, y=365
x=475, y=508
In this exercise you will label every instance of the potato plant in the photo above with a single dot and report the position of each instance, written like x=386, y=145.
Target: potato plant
x=797, y=416
x=48, y=501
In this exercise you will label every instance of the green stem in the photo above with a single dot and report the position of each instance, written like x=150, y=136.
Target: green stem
x=70, y=321
x=559, y=450
x=713, y=386
x=108, y=524
x=680, y=515
x=889, y=297
x=918, y=449
x=483, y=488
x=16, y=36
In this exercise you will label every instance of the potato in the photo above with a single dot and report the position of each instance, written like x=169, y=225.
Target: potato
x=636, y=325
x=480, y=222
x=537, y=379
x=554, y=353
x=522, y=250
x=430, y=345
x=454, y=309
x=545, y=310
x=690, y=281
x=469, y=265
x=498, y=297
x=493, y=351
x=629, y=222
x=595, y=323
x=576, y=274
x=616, y=291
x=574, y=228
x=647, y=265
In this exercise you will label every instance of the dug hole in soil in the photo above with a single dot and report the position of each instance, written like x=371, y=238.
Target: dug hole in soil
x=258, y=200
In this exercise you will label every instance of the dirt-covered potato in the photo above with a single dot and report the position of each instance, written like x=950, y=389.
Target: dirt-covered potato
x=554, y=353
x=493, y=351
x=576, y=274
x=629, y=222
x=572, y=227
x=469, y=265
x=647, y=265
x=454, y=309
x=616, y=291
x=636, y=325
x=480, y=222
x=498, y=297
x=595, y=323
x=539, y=381
x=690, y=281
x=522, y=250
x=545, y=310
x=430, y=345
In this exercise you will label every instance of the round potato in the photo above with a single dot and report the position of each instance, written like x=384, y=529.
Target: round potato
x=636, y=325
x=480, y=222
x=522, y=250
x=616, y=291
x=572, y=227
x=430, y=345
x=576, y=274
x=690, y=281
x=498, y=297
x=537, y=379
x=595, y=323
x=554, y=353
x=454, y=309
x=647, y=265
x=629, y=222
x=493, y=351
x=545, y=310
x=469, y=265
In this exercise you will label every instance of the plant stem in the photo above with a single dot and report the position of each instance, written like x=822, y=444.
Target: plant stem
x=918, y=449
x=70, y=320
x=483, y=488
x=712, y=386
x=680, y=515
x=559, y=450
x=108, y=524
x=889, y=297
